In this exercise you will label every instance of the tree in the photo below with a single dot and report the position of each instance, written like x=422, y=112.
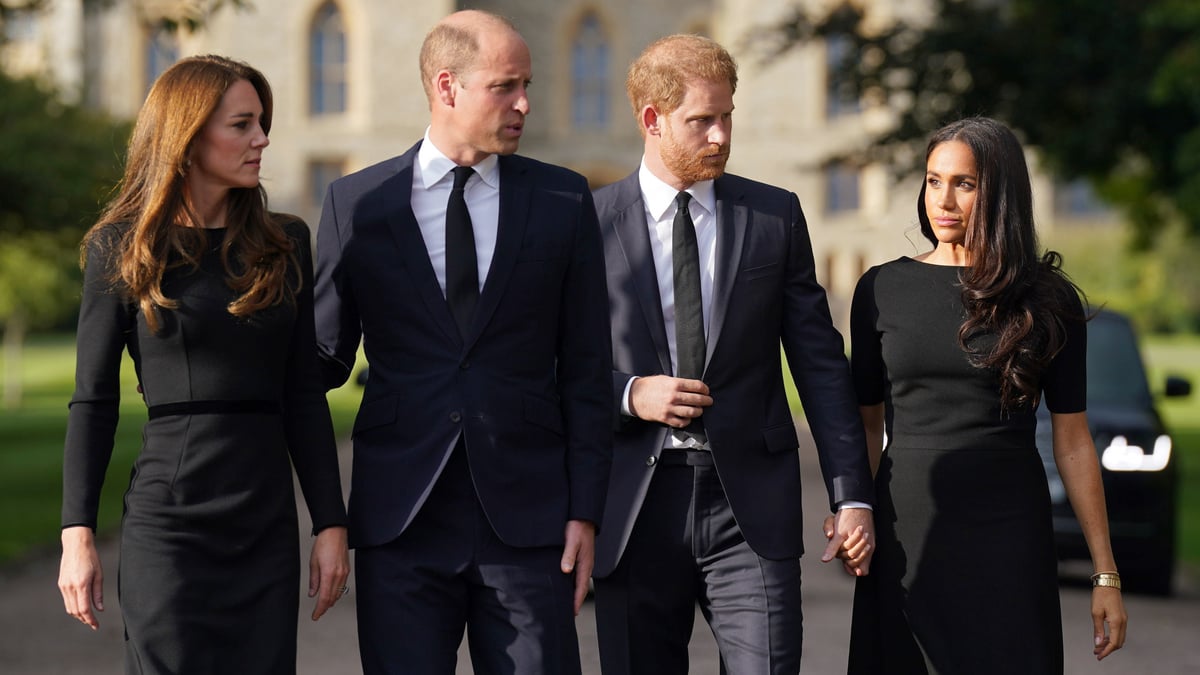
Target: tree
x=57, y=163
x=188, y=14
x=1106, y=91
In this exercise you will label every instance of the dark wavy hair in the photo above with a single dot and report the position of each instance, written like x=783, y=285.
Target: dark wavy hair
x=1010, y=290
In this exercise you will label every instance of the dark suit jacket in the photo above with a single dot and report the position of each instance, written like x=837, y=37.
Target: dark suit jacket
x=527, y=386
x=765, y=292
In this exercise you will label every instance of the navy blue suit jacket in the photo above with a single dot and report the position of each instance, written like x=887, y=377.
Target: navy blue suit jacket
x=528, y=385
x=765, y=293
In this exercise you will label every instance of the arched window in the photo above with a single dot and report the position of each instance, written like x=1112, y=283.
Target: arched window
x=327, y=62
x=589, y=75
x=162, y=51
x=841, y=188
x=839, y=90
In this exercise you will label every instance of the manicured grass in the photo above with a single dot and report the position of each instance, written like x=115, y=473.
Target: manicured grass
x=1180, y=355
x=31, y=439
x=31, y=442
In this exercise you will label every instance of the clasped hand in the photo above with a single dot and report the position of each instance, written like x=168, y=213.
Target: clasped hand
x=850, y=533
x=672, y=401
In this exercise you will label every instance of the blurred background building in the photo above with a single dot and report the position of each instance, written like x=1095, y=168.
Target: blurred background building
x=348, y=94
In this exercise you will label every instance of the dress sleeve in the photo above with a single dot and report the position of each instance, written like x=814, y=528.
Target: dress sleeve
x=1064, y=385
x=106, y=325
x=866, y=348
x=309, y=430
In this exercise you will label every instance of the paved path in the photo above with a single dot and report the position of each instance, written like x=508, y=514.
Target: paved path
x=38, y=638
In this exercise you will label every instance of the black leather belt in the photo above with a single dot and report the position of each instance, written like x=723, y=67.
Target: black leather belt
x=214, y=408
x=685, y=457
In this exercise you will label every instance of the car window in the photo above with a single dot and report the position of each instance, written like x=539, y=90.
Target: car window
x=1114, y=364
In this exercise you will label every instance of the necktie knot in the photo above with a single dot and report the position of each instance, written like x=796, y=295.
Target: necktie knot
x=461, y=175
x=682, y=200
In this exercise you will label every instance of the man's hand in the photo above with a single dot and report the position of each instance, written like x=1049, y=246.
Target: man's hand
x=672, y=401
x=851, y=535
x=579, y=556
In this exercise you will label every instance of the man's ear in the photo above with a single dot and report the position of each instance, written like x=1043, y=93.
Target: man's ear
x=443, y=87
x=649, y=120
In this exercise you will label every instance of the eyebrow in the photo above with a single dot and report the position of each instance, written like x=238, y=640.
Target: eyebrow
x=956, y=175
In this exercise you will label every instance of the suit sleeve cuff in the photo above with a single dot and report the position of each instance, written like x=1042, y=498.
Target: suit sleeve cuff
x=851, y=504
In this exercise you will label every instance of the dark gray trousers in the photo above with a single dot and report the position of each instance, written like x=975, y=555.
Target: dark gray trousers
x=686, y=548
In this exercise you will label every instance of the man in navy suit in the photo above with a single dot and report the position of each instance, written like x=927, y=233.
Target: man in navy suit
x=483, y=443
x=708, y=274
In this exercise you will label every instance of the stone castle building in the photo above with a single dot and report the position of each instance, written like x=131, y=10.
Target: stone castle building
x=348, y=94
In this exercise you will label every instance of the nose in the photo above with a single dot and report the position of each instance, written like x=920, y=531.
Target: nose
x=948, y=201
x=522, y=103
x=261, y=140
x=719, y=132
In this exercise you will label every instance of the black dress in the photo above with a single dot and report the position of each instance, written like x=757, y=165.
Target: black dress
x=964, y=576
x=209, y=578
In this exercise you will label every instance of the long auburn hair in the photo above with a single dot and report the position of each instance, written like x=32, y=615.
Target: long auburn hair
x=1009, y=291
x=153, y=198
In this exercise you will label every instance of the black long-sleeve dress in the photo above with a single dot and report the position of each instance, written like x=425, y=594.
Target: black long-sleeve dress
x=209, y=573
x=963, y=579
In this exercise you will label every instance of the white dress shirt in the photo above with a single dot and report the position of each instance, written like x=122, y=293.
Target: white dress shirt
x=432, y=179
x=660, y=208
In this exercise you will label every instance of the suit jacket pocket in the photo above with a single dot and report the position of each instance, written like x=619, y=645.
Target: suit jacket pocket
x=781, y=437
x=544, y=413
x=375, y=413
x=759, y=271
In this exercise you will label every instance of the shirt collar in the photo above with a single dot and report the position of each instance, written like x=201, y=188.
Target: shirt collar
x=660, y=197
x=436, y=167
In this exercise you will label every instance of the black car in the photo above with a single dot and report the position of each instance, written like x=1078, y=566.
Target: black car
x=1138, y=464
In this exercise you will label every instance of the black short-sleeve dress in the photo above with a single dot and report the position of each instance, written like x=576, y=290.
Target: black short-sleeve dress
x=209, y=572
x=963, y=579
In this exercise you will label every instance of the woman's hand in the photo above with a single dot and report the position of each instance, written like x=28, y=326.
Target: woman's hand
x=328, y=569
x=1108, y=608
x=80, y=578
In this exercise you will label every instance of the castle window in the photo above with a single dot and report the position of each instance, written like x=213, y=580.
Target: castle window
x=589, y=76
x=327, y=62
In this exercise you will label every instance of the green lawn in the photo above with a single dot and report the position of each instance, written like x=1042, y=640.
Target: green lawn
x=31, y=442
x=1180, y=355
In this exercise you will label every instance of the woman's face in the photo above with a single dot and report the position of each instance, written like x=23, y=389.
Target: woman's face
x=227, y=153
x=950, y=189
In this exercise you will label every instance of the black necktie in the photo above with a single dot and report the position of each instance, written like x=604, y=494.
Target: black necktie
x=462, y=270
x=689, y=306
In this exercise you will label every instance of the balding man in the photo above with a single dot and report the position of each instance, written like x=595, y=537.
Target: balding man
x=475, y=280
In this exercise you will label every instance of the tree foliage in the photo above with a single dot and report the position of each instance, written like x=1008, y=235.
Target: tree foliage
x=190, y=15
x=1106, y=91
x=57, y=164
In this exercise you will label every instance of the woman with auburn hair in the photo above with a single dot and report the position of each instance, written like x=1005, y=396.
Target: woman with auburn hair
x=952, y=351
x=211, y=295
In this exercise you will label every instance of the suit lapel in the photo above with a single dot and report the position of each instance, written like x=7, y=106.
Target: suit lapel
x=515, y=196
x=413, y=254
x=633, y=234
x=732, y=221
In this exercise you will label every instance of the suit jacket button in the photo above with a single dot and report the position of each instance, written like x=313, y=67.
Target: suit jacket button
x=465, y=365
x=651, y=460
x=456, y=417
